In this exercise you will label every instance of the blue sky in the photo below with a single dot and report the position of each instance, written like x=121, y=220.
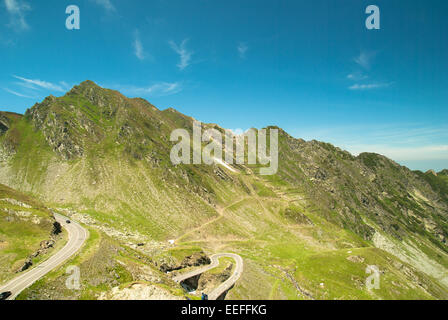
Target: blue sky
x=310, y=67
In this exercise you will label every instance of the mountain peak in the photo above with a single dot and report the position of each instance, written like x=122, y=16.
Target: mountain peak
x=85, y=86
x=88, y=84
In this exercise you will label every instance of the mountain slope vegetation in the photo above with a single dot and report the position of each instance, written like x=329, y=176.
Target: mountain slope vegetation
x=307, y=232
x=28, y=232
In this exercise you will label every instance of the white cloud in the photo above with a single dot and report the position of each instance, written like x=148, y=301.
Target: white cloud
x=164, y=88
x=401, y=142
x=26, y=85
x=430, y=152
x=17, y=10
x=156, y=89
x=357, y=76
x=182, y=51
x=106, y=4
x=18, y=94
x=369, y=86
x=138, y=47
x=365, y=59
x=413, y=134
x=242, y=49
x=33, y=83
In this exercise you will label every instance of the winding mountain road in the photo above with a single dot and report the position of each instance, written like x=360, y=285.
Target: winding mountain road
x=77, y=235
x=226, y=285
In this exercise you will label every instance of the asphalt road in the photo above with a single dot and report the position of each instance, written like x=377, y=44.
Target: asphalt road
x=226, y=285
x=77, y=235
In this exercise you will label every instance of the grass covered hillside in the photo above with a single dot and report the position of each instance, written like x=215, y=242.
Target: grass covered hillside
x=27, y=232
x=308, y=232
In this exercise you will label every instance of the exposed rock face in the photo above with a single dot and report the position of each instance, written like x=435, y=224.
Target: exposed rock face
x=47, y=244
x=107, y=101
x=296, y=216
x=4, y=124
x=16, y=203
x=60, y=132
x=356, y=259
x=208, y=282
x=347, y=188
x=44, y=246
x=70, y=122
x=28, y=263
x=221, y=174
x=432, y=172
x=139, y=291
x=194, y=260
x=11, y=137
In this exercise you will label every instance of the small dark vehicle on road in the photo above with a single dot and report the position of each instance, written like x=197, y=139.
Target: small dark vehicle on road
x=5, y=295
x=68, y=221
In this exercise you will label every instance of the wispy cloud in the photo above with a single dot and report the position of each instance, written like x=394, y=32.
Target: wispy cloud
x=242, y=49
x=183, y=52
x=156, y=89
x=35, y=83
x=430, y=152
x=17, y=10
x=138, y=47
x=164, y=88
x=18, y=94
x=106, y=4
x=369, y=86
x=365, y=59
x=377, y=133
x=357, y=76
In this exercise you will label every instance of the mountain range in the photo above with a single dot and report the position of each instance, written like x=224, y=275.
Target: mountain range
x=310, y=231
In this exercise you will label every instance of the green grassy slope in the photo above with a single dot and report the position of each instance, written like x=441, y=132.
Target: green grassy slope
x=24, y=224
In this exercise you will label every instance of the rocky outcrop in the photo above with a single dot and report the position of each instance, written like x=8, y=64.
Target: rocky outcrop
x=208, y=281
x=4, y=124
x=356, y=259
x=139, y=291
x=194, y=260
x=26, y=265
x=61, y=133
x=45, y=245
x=296, y=216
